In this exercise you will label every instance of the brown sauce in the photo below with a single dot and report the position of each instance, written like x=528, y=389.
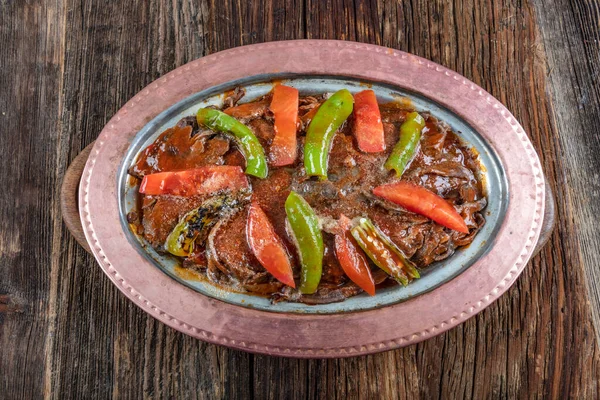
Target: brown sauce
x=443, y=164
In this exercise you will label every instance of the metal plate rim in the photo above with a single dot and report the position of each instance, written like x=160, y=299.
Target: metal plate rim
x=316, y=336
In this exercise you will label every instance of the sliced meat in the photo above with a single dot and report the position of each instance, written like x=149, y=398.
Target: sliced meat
x=393, y=112
x=262, y=283
x=437, y=241
x=406, y=230
x=307, y=109
x=470, y=211
x=232, y=97
x=235, y=157
x=309, y=102
x=177, y=149
x=264, y=131
x=391, y=134
x=248, y=111
x=197, y=260
x=447, y=169
x=233, y=252
x=190, y=121
x=161, y=214
x=442, y=164
x=433, y=137
x=325, y=294
x=333, y=274
x=235, y=259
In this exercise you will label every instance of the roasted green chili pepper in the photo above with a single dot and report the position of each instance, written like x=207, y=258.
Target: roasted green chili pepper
x=256, y=162
x=404, y=150
x=306, y=232
x=319, y=135
x=194, y=226
x=385, y=254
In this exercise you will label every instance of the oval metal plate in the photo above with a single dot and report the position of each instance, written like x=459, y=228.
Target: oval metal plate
x=514, y=180
x=433, y=276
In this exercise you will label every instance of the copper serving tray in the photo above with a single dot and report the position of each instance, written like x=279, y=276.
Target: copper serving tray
x=450, y=292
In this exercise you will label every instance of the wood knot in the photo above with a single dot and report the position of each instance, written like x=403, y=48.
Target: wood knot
x=8, y=306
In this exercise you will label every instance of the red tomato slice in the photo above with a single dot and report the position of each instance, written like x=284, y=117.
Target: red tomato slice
x=284, y=105
x=368, y=128
x=267, y=246
x=419, y=200
x=353, y=262
x=203, y=180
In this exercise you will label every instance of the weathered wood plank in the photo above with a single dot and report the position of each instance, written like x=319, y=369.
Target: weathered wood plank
x=572, y=44
x=31, y=54
x=66, y=331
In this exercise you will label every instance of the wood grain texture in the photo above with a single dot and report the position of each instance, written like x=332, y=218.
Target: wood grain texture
x=67, y=332
x=573, y=47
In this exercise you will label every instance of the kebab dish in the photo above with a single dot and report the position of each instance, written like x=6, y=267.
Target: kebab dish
x=308, y=198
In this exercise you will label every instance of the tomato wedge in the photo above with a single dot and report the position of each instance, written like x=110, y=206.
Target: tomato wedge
x=284, y=105
x=353, y=262
x=267, y=246
x=368, y=128
x=419, y=200
x=203, y=180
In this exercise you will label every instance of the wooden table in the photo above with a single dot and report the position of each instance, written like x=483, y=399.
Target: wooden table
x=66, y=67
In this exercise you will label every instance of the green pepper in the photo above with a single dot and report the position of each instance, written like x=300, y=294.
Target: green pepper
x=383, y=252
x=319, y=135
x=193, y=227
x=404, y=150
x=253, y=152
x=304, y=227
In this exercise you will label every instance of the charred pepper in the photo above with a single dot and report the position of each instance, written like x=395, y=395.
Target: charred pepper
x=385, y=254
x=193, y=227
